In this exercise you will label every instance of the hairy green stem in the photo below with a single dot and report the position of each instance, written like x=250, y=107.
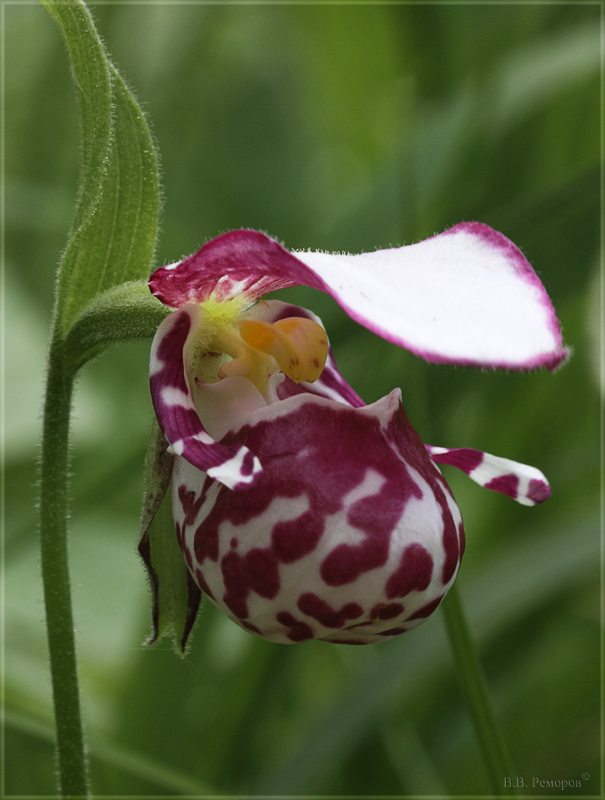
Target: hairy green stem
x=473, y=681
x=55, y=576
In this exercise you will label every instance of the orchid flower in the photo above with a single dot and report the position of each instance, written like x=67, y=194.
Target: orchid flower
x=302, y=512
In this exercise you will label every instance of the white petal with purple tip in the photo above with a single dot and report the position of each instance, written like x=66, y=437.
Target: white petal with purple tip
x=525, y=484
x=466, y=296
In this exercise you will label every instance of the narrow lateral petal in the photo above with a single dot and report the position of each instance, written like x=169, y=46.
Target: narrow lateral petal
x=234, y=466
x=525, y=484
x=466, y=296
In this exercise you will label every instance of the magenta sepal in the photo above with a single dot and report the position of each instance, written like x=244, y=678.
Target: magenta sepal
x=241, y=263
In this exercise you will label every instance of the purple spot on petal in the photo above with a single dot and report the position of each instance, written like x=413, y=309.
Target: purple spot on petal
x=392, y=631
x=427, y=609
x=315, y=607
x=263, y=572
x=247, y=466
x=296, y=538
x=205, y=544
x=538, y=491
x=190, y=505
x=451, y=544
x=385, y=611
x=236, y=585
x=257, y=571
x=506, y=484
x=413, y=574
x=299, y=631
x=250, y=627
x=179, y=534
x=465, y=458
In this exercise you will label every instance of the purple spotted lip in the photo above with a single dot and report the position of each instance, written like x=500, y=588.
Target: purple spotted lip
x=327, y=545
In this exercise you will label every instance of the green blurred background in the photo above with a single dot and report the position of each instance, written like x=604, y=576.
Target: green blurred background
x=336, y=127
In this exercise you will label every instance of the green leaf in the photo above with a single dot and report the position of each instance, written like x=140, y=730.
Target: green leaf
x=535, y=74
x=175, y=597
x=115, y=223
x=90, y=71
x=120, y=314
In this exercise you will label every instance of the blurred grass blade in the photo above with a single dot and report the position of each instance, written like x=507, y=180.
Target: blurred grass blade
x=474, y=685
x=417, y=774
x=119, y=757
x=534, y=75
x=517, y=583
x=175, y=599
x=115, y=223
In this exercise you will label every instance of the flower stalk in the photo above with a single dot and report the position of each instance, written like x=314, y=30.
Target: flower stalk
x=474, y=685
x=55, y=576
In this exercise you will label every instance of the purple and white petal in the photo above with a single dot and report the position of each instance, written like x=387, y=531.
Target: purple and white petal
x=466, y=296
x=525, y=484
x=351, y=534
x=235, y=466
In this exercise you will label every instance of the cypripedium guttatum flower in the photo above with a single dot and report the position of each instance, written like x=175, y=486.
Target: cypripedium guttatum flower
x=302, y=512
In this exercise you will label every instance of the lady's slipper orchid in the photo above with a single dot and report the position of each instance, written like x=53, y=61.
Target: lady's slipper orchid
x=303, y=513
